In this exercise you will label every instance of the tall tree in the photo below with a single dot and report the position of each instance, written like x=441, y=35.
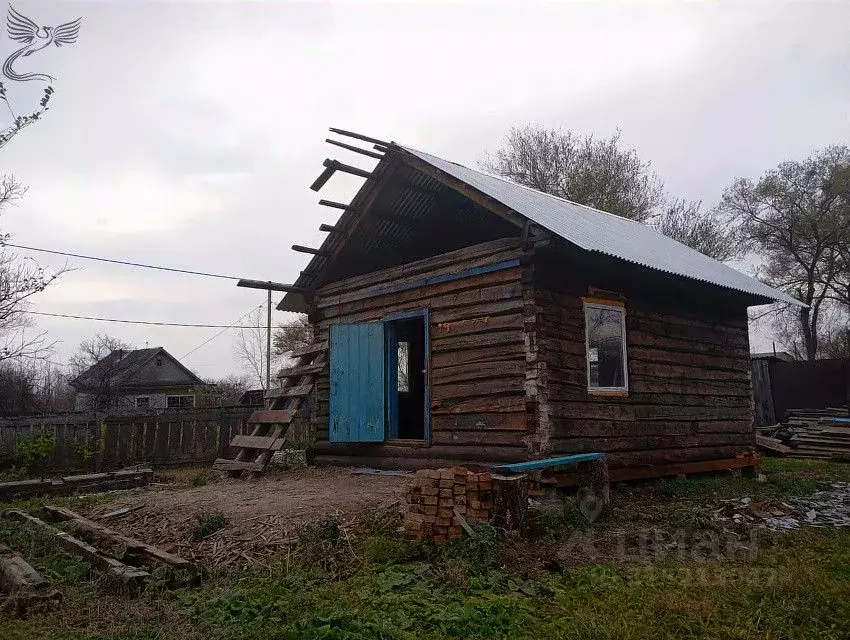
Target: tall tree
x=598, y=172
x=795, y=219
x=250, y=349
x=602, y=173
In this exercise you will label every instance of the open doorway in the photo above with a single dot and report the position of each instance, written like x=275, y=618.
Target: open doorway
x=406, y=378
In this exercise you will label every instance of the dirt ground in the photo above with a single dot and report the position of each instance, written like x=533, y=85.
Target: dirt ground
x=262, y=514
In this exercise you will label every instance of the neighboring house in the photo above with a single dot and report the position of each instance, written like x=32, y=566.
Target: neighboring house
x=472, y=319
x=137, y=379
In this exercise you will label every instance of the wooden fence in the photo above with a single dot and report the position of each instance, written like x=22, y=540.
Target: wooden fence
x=108, y=441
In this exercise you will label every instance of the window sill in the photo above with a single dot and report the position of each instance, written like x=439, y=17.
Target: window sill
x=608, y=394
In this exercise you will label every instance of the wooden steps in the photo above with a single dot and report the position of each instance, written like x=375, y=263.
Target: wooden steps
x=270, y=425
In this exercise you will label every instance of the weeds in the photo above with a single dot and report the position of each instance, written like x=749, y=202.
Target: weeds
x=207, y=524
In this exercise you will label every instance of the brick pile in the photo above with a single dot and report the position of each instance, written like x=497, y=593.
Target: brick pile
x=435, y=498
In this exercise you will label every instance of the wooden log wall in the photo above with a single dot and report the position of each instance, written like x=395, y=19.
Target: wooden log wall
x=477, y=349
x=688, y=370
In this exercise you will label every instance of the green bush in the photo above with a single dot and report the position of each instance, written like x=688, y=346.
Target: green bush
x=33, y=454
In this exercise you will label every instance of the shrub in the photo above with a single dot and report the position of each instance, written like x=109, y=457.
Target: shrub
x=32, y=454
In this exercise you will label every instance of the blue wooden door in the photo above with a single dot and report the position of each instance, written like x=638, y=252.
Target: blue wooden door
x=357, y=383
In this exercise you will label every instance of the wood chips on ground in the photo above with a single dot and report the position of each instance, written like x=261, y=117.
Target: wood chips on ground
x=263, y=514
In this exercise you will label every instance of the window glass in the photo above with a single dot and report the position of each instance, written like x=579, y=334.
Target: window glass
x=180, y=402
x=143, y=402
x=606, y=367
x=404, y=366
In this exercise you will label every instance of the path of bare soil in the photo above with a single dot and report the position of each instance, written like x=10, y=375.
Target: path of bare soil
x=262, y=514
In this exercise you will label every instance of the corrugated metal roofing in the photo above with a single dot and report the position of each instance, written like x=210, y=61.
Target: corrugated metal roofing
x=595, y=230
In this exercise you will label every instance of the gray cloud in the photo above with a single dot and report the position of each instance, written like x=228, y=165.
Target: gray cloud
x=187, y=134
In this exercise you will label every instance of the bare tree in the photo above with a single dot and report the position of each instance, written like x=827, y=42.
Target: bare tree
x=798, y=223
x=250, y=349
x=223, y=392
x=19, y=281
x=597, y=172
x=707, y=231
x=98, y=359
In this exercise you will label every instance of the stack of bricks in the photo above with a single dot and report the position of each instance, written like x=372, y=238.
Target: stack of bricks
x=436, y=498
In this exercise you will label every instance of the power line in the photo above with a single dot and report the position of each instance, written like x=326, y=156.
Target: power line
x=147, y=322
x=216, y=335
x=122, y=262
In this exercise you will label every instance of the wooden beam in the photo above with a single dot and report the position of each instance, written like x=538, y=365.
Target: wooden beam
x=336, y=165
x=274, y=286
x=359, y=136
x=319, y=182
x=127, y=576
x=223, y=464
x=365, y=152
x=99, y=534
x=271, y=416
x=315, y=252
x=316, y=347
x=334, y=205
x=327, y=228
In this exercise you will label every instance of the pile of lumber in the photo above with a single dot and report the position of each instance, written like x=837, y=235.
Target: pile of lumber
x=809, y=433
x=85, y=483
x=442, y=502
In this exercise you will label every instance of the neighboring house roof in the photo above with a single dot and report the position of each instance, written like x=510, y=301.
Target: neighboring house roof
x=595, y=230
x=123, y=369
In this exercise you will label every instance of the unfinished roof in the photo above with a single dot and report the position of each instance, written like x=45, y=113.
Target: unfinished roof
x=401, y=200
x=124, y=368
x=595, y=230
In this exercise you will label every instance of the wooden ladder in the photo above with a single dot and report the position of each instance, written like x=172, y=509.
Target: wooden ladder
x=271, y=424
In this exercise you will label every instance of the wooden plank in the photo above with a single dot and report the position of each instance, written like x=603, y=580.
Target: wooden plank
x=442, y=263
x=316, y=347
x=225, y=464
x=129, y=577
x=772, y=444
x=289, y=392
x=548, y=463
x=257, y=442
x=272, y=416
x=301, y=370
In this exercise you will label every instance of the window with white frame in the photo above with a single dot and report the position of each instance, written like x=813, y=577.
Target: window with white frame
x=180, y=402
x=605, y=335
x=143, y=402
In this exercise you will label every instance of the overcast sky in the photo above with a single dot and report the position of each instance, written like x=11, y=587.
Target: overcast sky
x=187, y=134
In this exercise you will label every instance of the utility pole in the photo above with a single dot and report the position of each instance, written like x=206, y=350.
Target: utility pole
x=268, y=286
x=269, y=344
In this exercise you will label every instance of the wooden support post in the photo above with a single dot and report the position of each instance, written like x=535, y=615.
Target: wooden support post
x=510, y=501
x=594, y=493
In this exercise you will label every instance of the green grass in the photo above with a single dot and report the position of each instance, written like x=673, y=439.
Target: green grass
x=796, y=585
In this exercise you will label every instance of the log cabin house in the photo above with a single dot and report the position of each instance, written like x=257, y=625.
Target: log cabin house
x=473, y=320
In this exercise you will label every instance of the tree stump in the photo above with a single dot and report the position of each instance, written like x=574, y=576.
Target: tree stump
x=510, y=501
x=594, y=493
